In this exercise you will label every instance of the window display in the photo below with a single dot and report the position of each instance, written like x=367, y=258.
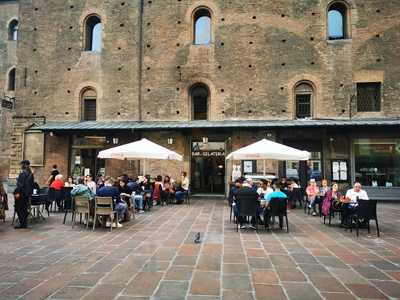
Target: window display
x=377, y=162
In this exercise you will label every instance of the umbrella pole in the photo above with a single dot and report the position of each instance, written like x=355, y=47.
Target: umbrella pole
x=144, y=167
x=264, y=166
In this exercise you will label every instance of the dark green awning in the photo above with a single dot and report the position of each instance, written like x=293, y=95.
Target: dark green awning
x=94, y=125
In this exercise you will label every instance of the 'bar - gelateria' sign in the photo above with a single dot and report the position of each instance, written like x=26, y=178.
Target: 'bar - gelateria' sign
x=208, y=153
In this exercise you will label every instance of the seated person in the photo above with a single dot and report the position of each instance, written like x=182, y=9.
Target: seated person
x=350, y=202
x=137, y=194
x=234, y=190
x=124, y=191
x=324, y=188
x=69, y=182
x=251, y=183
x=58, y=183
x=277, y=193
x=313, y=192
x=264, y=189
x=248, y=193
x=108, y=190
x=183, y=190
x=293, y=184
x=157, y=189
x=168, y=190
x=82, y=190
x=333, y=195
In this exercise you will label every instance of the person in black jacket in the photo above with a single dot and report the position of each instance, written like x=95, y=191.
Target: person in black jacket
x=23, y=192
x=249, y=195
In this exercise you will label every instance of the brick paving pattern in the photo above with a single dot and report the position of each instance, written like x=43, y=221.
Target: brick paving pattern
x=155, y=258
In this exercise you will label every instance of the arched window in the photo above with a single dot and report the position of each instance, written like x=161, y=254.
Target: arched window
x=88, y=99
x=93, y=33
x=13, y=30
x=202, y=27
x=11, y=80
x=337, y=21
x=199, y=95
x=304, y=94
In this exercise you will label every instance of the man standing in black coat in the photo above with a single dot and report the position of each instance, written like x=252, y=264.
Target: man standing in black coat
x=25, y=184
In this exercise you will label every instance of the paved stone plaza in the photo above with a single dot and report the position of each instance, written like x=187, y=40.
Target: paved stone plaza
x=155, y=258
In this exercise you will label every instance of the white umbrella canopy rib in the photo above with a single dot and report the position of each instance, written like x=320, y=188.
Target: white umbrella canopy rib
x=266, y=149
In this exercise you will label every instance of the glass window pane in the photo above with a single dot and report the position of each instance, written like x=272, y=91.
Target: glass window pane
x=96, y=38
x=203, y=31
x=335, y=25
x=377, y=162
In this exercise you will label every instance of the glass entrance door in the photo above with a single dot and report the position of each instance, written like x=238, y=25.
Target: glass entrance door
x=84, y=162
x=208, y=167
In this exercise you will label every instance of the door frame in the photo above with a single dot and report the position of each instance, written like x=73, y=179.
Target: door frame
x=211, y=138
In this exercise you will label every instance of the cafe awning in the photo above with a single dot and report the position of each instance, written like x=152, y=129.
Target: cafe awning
x=165, y=125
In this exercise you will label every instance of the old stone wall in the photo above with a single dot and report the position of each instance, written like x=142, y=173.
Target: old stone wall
x=259, y=51
x=51, y=52
x=8, y=12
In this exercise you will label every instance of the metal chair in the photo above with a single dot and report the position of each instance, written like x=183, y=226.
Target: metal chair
x=247, y=204
x=103, y=206
x=277, y=208
x=68, y=202
x=365, y=211
x=81, y=206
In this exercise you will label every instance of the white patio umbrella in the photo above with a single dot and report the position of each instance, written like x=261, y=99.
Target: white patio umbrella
x=143, y=149
x=266, y=149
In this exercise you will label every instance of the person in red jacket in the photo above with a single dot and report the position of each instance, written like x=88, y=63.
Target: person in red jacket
x=58, y=183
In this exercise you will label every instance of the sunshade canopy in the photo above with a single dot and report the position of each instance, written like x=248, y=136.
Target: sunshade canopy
x=143, y=149
x=266, y=149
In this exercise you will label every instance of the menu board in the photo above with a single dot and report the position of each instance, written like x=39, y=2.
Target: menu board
x=339, y=170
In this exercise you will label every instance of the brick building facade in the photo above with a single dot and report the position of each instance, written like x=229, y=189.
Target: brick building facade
x=270, y=69
x=8, y=62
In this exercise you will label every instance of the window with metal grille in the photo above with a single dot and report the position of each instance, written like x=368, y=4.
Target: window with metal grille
x=88, y=98
x=369, y=96
x=90, y=110
x=200, y=94
x=304, y=93
x=303, y=106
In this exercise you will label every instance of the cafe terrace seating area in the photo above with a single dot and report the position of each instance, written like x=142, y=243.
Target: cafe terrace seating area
x=155, y=256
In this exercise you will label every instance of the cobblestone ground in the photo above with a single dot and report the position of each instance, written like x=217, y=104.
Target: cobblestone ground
x=155, y=258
